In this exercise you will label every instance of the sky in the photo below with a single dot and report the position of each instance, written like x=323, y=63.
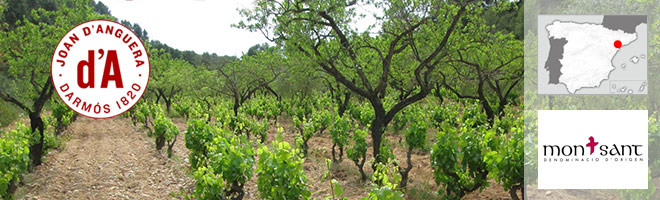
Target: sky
x=202, y=25
x=198, y=25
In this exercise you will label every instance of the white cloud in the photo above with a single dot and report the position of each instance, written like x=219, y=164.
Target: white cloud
x=204, y=25
x=199, y=25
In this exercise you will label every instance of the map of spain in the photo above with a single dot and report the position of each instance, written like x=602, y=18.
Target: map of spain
x=581, y=54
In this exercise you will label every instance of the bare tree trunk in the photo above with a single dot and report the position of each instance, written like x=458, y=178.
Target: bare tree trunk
x=334, y=159
x=168, y=104
x=377, y=130
x=170, y=146
x=344, y=104
x=37, y=149
x=404, y=172
x=237, y=103
x=513, y=191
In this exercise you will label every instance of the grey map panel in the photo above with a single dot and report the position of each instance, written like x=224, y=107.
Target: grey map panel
x=626, y=23
x=622, y=67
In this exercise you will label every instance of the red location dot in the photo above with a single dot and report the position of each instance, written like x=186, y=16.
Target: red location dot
x=617, y=44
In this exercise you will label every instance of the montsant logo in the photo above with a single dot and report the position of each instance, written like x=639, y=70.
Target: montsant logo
x=593, y=151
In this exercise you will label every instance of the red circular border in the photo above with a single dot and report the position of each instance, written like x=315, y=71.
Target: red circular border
x=53, y=60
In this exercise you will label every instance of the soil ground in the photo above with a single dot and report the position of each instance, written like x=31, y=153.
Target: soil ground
x=112, y=159
x=107, y=159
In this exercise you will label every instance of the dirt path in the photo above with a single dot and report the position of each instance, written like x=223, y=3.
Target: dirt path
x=108, y=159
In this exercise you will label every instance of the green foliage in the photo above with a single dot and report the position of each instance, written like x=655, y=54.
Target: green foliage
x=263, y=107
x=416, y=133
x=358, y=153
x=14, y=158
x=142, y=111
x=286, y=105
x=209, y=185
x=63, y=116
x=387, y=176
x=255, y=71
x=8, y=113
x=505, y=157
x=232, y=157
x=170, y=76
x=473, y=115
x=531, y=147
x=654, y=140
x=220, y=160
x=280, y=173
x=400, y=121
x=376, y=64
x=486, y=66
x=386, y=151
x=239, y=123
x=446, y=113
x=322, y=119
x=164, y=131
x=340, y=135
x=223, y=115
x=260, y=129
x=363, y=113
x=403, y=54
x=62, y=113
x=50, y=140
x=415, y=139
x=2, y=11
x=147, y=111
x=198, y=134
x=274, y=110
x=307, y=128
x=27, y=48
x=184, y=108
x=457, y=159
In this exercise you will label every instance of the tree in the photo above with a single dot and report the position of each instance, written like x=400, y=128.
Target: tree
x=254, y=50
x=19, y=10
x=340, y=95
x=242, y=78
x=364, y=62
x=487, y=68
x=27, y=49
x=100, y=8
x=301, y=80
x=506, y=16
x=169, y=77
x=136, y=28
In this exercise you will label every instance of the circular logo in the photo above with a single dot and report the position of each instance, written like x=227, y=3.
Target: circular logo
x=100, y=69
